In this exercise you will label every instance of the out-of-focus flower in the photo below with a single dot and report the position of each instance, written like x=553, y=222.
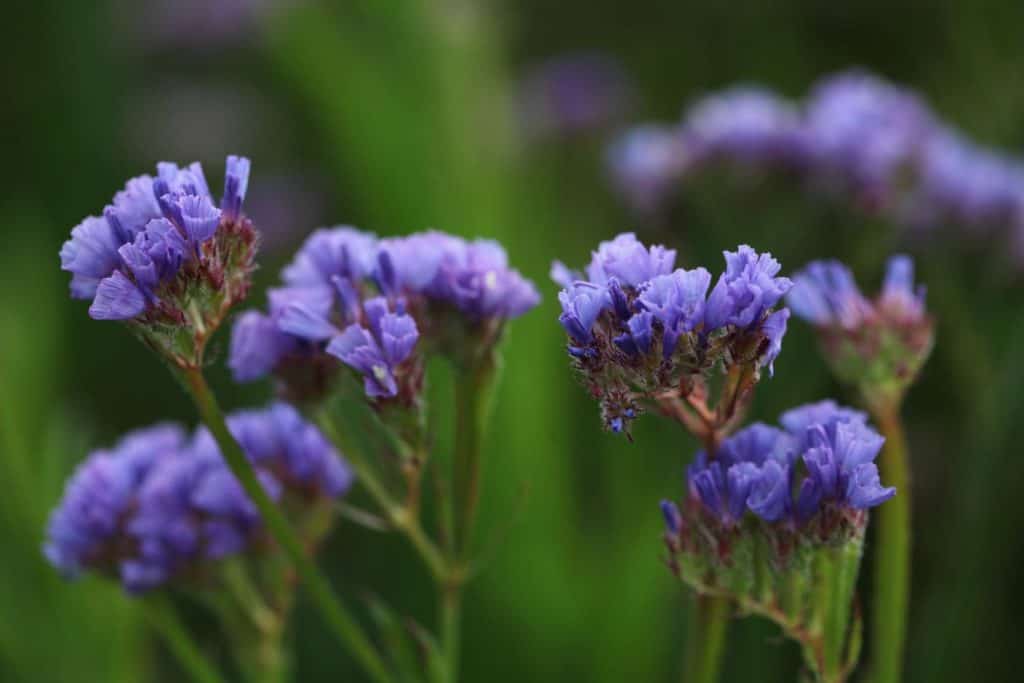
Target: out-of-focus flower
x=159, y=507
x=856, y=137
x=867, y=132
x=878, y=346
x=638, y=329
x=647, y=164
x=747, y=126
x=372, y=304
x=165, y=258
x=574, y=94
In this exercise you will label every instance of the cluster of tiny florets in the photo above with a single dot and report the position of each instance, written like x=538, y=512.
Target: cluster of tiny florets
x=371, y=303
x=810, y=480
x=856, y=136
x=878, y=344
x=164, y=257
x=163, y=506
x=638, y=326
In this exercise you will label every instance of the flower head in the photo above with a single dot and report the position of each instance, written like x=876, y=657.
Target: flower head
x=641, y=330
x=164, y=256
x=866, y=131
x=161, y=507
x=745, y=125
x=366, y=302
x=878, y=345
x=814, y=476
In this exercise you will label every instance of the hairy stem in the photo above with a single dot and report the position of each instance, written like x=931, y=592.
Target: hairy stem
x=337, y=616
x=164, y=618
x=892, y=555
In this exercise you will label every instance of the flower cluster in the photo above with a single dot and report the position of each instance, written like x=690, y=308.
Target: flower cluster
x=808, y=482
x=574, y=94
x=370, y=303
x=162, y=506
x=857, y=137
x=165, y=257
x=639, y=327
x=877, y=345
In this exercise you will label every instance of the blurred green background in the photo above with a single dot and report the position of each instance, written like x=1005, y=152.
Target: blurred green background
x=398, y=116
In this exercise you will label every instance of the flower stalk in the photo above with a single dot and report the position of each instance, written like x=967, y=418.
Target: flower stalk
x=164, y=618
x=892, y=558
x=341, y=623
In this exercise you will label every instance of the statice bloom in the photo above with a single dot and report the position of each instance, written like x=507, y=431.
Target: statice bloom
x=867, y=131
x=127, y=261
x=365, y=302
x=646, y=164
x=815, y=476
x=748, y=126
x=639, y=328
x=574, y=94
x=749, y=287
x=960, y=182
x=162, y=507
x=877, y=345
x=378, y=351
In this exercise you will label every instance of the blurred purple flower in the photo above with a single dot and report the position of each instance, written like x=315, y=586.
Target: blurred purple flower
x=575, y=94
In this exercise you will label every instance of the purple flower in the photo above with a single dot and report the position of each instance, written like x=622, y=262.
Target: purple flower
x=573, y=94
x=377, y=352
x=628, y=260
x=757, y=468
x=745, y=125
x=582, y=303
x=99, y=495
x=341, y=251
x=677, y=302
x=774, y=329
x=825, y=294
x=900, y=300
x=124, y=260
x=866, y=130
x=158, y=506
x=646, y=164
x=747, y=289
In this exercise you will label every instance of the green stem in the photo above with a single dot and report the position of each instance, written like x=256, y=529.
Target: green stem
x=705, y=640
x=892, y=555
x=449, y=599
x=341, y=623
x=162, y=615
x=472, y=389
x=840, y=581
x=400, y=516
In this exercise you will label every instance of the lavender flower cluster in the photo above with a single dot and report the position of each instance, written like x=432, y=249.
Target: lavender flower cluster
x=160, y=237
x=878, y=345
x=638, y=326
x=367, y=302
x=856, y=136
x=812, y=479
x=162, y=506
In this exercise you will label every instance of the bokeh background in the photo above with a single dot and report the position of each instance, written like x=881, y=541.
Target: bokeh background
x=406, y=115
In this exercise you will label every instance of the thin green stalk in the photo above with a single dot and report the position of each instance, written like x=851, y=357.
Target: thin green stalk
x=473, y=384
x=162, y=615
x=449, y=599
x=400, y=516
x=892, y=555
x=705, y=640
x=341, y=623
